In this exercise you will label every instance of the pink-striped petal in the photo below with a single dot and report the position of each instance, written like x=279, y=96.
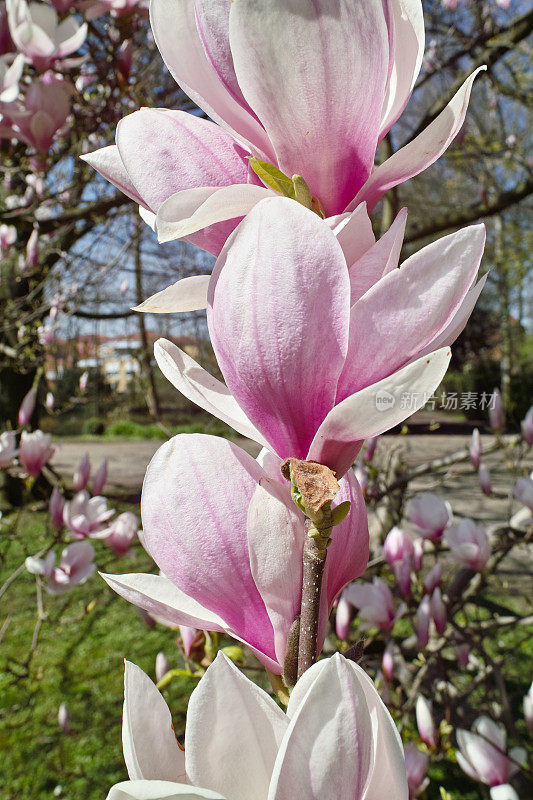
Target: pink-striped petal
x=316, y=78
x=108, y=163
x=354, y=232
x=272, y=368
x=188, y=294
x=378, y=260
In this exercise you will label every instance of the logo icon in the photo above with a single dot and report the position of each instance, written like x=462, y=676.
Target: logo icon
x=384, y=400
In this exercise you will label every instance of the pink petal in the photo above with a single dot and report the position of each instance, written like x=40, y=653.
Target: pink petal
x=165, y=152
x=107, y=162
x=276, y=560
x=354, y=232
x=423, y=151
x=333, y=67
x=379, y=260
x=406, y=310
x=194, y=503
x=358, y=417
x=458, y=323
x=201, y=388
x=176, y=34
x=257, y=282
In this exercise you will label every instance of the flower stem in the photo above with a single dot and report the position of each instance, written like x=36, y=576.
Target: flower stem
x=314, y=561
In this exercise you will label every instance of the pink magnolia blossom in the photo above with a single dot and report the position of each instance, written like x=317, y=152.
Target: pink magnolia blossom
x=425, y=722
x=8, y=237
x=8, y=448
x=496, y=411
x=523, y=491
x=375, y=603
x=484, y=478
x=188, y=635
x=27, y=407
x=422, y=622
x=475, y=448
x=162, y=666
x=39, y=35
x=416, y=764
x=55, y=508
x=482, y=753
x=75, y=566
x=35, y=451
x=100, y=478
x=63, y=717
x=121, y=533
x=10, y=74
x=43, y=114
x=82, y=474
x=344, y=615
x=387, y=661
x=433, y=578
x=430, y=514
x=191, y=516
x=86, y=516
x=418, y=554
x=245, y=63
x=528, y=708
x=527, y=427
x=438, y=611
x=318, y=387
x=397, y=546
x=231, y=722
x=469, y=544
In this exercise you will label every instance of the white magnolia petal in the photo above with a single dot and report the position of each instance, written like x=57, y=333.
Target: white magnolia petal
x=151, y=751
x=234, y=730
x=187, y=212
x=159, y=790
x=187, y=294
x=201, y=388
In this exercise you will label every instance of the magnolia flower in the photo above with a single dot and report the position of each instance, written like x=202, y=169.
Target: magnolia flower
x=425, y=722
x=387, y=661
x=318, y=387
x=375, y=603
x=63, y=718
x=8, y=448
x=100, y=478
x=38, y=34
x=10, y=73
x=230, y=546
x=397, y=546
x=344, y=614
x=246, y=64
x=55, y=508
x=484, y=478
x=528, y=708
x=121, y=533
x=35, y=451
x=523, y=491
x=416, y=764
x=33, y=249
x=469, y=544
x=496, y=411
x=45, y=111
x=82, y=474
x=527, y=427
x=162, y=665
x=188, y=636
x=433, y=578
x=438, y=611
x=75, y=566
x=8, y=237
x=27, y=407
x=475, y=448
x=482, y=754
x=86, y=516
x=423, y=619
x=240, y=744
x=430, y=514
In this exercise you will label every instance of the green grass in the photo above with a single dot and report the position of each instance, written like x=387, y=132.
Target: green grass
x=79, y=661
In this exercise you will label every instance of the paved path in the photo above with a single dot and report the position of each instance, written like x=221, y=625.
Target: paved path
x=128, y=462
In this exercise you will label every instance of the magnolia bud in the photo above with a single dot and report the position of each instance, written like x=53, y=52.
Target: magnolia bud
x=475, y=448
x=162, y=666
x=55, y=507
x=438, y=611
x=423, y=617
x=484, y=479
x=83, y=473
x=27, y=407
x=425, y=723
x=100, y=478
x=50, y=401
x=496, y=411
x=343, y=618
x=433, y=578
x=527, y=427
x=387, y=662
x=528, y=708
